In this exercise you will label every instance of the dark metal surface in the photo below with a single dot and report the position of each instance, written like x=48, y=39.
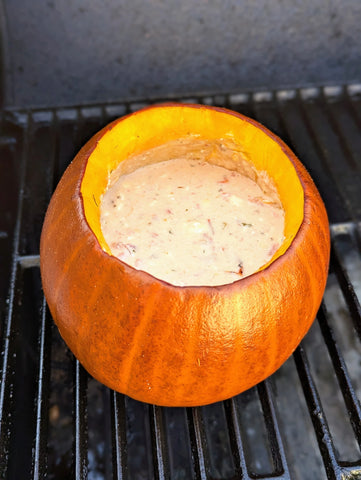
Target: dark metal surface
x=304, y=422
x=66, y=53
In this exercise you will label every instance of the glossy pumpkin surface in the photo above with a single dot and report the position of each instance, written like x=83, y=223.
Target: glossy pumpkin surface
x=171, y=345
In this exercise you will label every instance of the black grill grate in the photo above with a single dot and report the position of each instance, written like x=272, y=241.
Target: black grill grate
x=302, y=423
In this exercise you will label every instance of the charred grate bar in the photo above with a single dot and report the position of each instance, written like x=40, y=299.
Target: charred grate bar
x=303, y=422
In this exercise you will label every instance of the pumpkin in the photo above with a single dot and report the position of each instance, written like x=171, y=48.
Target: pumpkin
x=175, y=345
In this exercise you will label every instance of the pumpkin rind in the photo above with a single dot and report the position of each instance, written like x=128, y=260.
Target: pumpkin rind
x=178, y=346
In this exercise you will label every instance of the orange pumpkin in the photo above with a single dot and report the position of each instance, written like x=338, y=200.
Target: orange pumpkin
x=166, y=344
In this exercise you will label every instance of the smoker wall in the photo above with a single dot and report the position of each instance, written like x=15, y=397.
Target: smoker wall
x=59, y=53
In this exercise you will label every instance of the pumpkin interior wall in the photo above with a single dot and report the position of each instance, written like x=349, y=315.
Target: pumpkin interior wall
x=58, y=86
x=258, y=149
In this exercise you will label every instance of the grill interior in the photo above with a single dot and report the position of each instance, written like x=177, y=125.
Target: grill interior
x=304, y=422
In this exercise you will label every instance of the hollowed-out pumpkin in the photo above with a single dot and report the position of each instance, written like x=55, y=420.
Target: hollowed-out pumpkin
x=166, y=344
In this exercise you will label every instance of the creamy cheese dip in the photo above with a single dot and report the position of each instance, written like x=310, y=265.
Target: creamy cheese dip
x=190, y=222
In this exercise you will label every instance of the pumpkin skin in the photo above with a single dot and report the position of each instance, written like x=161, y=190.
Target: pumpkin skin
x=171, y=345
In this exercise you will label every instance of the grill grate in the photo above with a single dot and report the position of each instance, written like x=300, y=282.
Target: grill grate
x=303, y=422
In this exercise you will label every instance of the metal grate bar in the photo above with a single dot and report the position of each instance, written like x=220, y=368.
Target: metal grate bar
x=39, y=459
x=29, y=261
x=80, y=425
x=160, y=453
x=119, y=436
x=197, y=443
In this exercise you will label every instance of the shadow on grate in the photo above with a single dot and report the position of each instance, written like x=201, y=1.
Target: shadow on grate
x=303, y=422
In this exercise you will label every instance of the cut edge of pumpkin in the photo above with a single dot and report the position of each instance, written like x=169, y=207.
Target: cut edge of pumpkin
x=156, y=125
